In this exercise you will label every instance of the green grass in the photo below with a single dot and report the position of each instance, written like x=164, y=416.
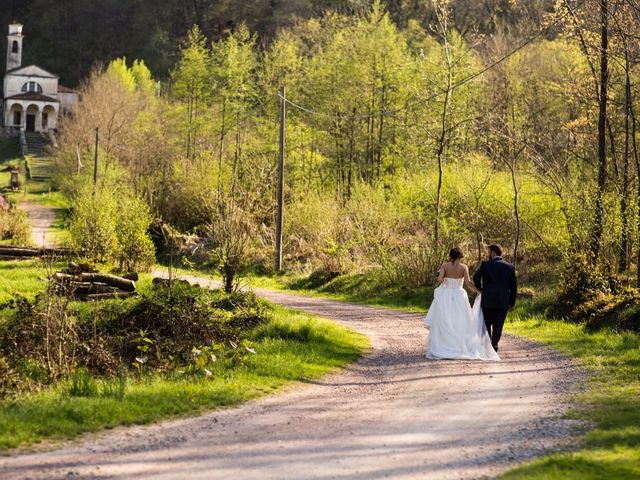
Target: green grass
x=28, y=278
x=292, y=347
x=362, y=289
x=9, y=158
x=611, y=450
x=25, y=277
x=40, y=192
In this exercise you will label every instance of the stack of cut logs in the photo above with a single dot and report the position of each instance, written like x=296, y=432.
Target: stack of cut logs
x=10, y=252
x=82, y=282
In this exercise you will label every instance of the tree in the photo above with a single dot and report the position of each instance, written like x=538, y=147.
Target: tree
x=192, y=85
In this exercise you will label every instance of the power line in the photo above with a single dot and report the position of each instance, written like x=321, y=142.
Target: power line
x=437, y=94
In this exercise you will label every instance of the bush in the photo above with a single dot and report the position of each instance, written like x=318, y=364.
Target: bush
x=111, y=224
x=580, y=280
x=591, y=296
x=134, y=250
x=165, y=325
x=93, y=223
x=15, y=226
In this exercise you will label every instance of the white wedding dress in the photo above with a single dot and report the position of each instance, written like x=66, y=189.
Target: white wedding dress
x=457, y=331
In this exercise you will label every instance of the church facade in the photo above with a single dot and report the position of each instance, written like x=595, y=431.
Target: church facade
x=32, y=98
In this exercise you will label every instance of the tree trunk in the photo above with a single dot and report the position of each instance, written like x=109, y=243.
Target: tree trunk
x=442, y=139
x=624, y=203
x=598, y=222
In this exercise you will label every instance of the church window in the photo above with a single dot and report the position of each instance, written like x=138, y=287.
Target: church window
x=32, y=87
x=15, y=47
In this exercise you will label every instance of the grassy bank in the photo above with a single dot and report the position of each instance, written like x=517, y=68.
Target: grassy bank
x=289, y=347
x=612, y=401
x=363, y=289
x=292, y=347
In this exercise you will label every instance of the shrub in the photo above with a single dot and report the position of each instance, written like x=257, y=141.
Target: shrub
x=589, y=295
x=111, y=224
x=9, y=379
x=580, y=280
x=15, y=226
x=134, y=250
x=93, y=223
x=165, y=325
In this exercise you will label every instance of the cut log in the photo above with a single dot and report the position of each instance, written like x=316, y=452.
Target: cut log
x=65, y=278
x=73, y=269
x=165, y=282
x=104, y=296
x=13, y=257
x=111, y=280
x=131, y=276
x=19, y=251
x=104, y=288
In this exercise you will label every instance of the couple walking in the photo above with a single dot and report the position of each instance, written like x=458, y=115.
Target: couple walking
x=459, y=331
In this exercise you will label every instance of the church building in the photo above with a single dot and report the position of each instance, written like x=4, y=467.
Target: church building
x=32, y=98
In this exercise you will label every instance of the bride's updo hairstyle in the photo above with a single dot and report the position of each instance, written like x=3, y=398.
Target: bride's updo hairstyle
x=455, y=254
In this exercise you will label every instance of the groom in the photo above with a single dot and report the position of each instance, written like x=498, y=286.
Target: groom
x=496, y=279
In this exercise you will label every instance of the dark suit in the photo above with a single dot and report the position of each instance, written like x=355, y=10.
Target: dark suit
x=496, y=279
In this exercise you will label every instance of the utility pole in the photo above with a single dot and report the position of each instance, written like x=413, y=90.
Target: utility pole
x=283, y=117
x=95, y=160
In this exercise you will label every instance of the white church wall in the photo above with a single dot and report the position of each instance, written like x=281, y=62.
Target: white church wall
x=14, y=83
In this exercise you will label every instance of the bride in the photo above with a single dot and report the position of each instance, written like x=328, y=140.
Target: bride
x=457, y=331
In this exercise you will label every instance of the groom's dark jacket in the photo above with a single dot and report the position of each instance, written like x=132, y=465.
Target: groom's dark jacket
x=496, y=279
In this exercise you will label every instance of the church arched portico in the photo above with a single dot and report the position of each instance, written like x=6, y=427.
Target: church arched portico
x=49, y=117
x=15, y=115
x=33, y=118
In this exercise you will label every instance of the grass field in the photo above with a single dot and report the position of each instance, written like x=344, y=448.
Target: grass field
x=25, y=277
x=361, y=289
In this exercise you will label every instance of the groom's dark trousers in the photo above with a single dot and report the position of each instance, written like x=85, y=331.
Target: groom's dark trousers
x=494, y=320
x=496, y=279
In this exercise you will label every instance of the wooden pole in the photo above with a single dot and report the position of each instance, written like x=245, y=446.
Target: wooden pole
x=283, y=116
x=95, y=159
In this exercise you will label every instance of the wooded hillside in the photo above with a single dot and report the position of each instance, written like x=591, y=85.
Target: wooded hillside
x=69, y=37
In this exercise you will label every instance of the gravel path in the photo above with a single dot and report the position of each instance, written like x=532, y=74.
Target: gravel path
x=41, y=218
x=393, y=414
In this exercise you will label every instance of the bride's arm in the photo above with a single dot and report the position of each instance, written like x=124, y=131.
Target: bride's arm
x=441, y=274
x=468, y=282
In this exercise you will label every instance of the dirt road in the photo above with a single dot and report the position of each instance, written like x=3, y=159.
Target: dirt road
x=41, y=218
x=394, y=414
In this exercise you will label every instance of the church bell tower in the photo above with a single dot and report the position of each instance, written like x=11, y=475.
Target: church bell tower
x=14, y=46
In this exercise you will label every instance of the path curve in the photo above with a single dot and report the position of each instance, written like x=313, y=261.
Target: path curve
x=393, y=414
x=41, y=218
